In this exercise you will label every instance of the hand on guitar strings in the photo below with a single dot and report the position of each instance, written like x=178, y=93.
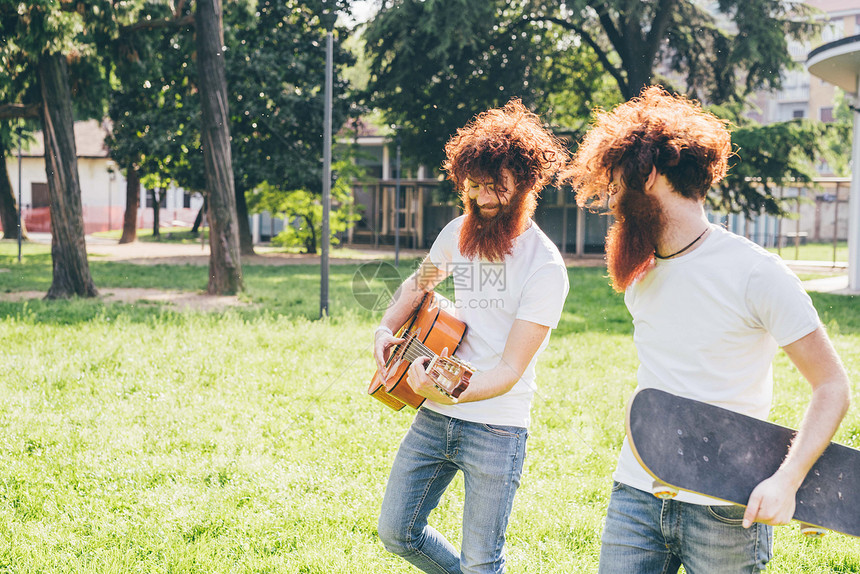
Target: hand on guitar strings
x=382, y=348
x=424, y=385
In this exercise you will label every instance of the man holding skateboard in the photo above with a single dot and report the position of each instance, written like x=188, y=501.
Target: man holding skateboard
x=510, y=283
x=710, y=310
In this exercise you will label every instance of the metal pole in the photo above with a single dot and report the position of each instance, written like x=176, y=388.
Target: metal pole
x=854, y=204
x=835, y=224
x=397, y=207
x=20, y=213
x=779, y=223
x=797, y=228
x=324, y=264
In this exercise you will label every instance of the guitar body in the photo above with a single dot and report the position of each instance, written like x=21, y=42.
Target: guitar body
x=435, y=329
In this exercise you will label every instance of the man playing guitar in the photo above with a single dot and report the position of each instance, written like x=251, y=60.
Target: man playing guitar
x=510, y=283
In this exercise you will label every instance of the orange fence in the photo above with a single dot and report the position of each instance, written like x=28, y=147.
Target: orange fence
x=100, y=218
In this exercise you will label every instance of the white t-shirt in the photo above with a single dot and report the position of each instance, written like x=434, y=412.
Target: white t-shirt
x=707, y=325
x=530, y=283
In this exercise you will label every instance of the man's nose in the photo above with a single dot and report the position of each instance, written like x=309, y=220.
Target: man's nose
x=485, y=195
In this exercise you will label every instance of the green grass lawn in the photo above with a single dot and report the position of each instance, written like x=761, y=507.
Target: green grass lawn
x=166, y=235
x=138, y=439
x=814, y=252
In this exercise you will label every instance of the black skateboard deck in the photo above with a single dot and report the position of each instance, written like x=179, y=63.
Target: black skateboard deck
x=701, y=448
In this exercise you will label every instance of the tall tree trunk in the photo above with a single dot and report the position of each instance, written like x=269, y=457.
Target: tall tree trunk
x=68, y=248
x=198, y=221
x=156, y=211
x=225, y=267
x=639, y=75
x=311, y=240
x=132, y=203
x=8, y=203
x=246, y=242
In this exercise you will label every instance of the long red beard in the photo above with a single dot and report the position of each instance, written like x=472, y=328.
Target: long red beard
x=492, y=238
x=632, y=239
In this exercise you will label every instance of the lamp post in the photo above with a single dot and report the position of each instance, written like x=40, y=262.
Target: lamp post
x=397, y=140
x=20, y=213
x=326, y=187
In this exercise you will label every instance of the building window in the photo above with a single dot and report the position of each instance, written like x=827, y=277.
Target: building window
x=186, y=199
x=826, y=114
x=39, y=196
x=798, y=114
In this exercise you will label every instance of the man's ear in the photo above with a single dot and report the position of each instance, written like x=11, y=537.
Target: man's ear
x=652, y=179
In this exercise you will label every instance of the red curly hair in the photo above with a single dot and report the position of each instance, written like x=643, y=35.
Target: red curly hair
x=687, y=145
x=510, y=138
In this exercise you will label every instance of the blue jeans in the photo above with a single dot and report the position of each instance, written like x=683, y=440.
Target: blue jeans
x=645, y=535
x=431, y=453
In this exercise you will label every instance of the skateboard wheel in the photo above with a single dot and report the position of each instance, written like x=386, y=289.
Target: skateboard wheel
x=812, y=531
x=662, y=490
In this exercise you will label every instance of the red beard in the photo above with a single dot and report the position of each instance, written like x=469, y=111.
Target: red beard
x=492, y=237
x=632, y=239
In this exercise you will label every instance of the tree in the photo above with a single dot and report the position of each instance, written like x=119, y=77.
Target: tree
x=461, y=57
x=225, y=268
x=154, y=110
x=42, y=40
x=433, y=65
x=275, y=72
x=68, y=249
x=303, y=210
x=772, y=156
x=721, y=50
x=8, y=202
x=132, y=203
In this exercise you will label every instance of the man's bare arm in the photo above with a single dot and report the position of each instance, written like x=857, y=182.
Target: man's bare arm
x=772, y=501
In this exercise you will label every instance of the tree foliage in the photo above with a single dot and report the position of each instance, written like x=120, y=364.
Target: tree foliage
x=303, y=209
x=154, y=108
x=716, y=51
x=773, y=156
x=434, y=64
x=276, y=66
x=275, y=63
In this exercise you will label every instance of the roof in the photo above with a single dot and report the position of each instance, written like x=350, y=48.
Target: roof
x=89, y=141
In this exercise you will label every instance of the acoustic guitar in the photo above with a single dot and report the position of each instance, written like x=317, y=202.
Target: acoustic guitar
x=428, y=331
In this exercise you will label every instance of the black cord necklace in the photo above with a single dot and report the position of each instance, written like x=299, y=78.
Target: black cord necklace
x=693, y=242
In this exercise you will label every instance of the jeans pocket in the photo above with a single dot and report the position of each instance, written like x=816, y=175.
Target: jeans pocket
x=616, y=486
x=502, y=430
x=729, y=514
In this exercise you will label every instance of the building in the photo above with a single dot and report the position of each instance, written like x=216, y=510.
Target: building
x=103, y=187
x=821, y=210
x=804, y=95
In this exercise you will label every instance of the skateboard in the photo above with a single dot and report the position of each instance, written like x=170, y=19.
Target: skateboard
x=701, y=448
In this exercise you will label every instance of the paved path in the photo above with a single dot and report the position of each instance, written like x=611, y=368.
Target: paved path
x=153, y=253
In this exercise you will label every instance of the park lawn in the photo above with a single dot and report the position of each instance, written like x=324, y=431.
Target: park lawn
x=138, y=439
x=814, y=252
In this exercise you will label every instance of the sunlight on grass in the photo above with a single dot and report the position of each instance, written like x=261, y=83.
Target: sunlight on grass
x=814, y=252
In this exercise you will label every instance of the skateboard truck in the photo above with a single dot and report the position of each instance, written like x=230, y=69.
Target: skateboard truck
x=662, y=490
x=812, y=531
